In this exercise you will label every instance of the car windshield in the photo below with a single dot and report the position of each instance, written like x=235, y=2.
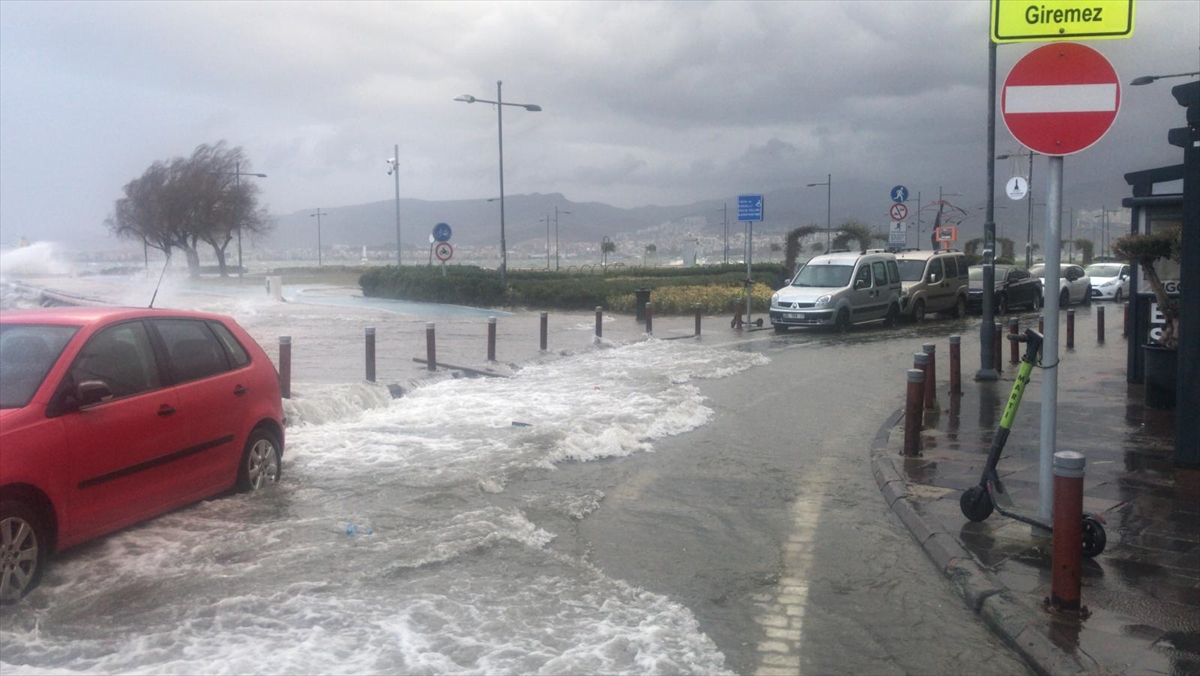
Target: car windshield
x=27, y=351
x=835, y=276
x=911, y=271
x=1103, y=270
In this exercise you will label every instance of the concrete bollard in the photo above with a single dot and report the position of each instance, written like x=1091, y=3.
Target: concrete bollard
x=697, y=307
x=930, y=351
x=1100, y=324
x=545, y=328
x=285, y=367
x=1125, y=327
x=1066, y=559
x=1070, y=329
x=370, y=338
x=955, y=365
x=491, y=345
x=1014, y=352
x=996, y=350
x=430, y=347
x=912, y=411
x=599, y=322
x=649, y=319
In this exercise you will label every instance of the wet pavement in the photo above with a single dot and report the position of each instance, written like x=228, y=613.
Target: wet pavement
x=1142, y=594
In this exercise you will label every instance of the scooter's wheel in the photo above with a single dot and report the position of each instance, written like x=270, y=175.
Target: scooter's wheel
x=975, y=503
x=758, y=322
x=1094, y=537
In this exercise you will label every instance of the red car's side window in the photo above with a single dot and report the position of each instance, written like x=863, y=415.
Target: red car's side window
x=194, y=350
x=122, y=357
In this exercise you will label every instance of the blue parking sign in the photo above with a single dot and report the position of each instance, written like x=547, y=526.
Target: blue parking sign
x=750, y=207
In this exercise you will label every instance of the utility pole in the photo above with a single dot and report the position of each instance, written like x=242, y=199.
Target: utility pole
x=394, y=168
x=318, y=213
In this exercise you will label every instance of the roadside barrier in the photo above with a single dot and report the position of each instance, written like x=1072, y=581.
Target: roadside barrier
x=697, y=308
x=599, y=322
x=955, y=366
x=649, y=319
x=1070, y=329
x=545, y=324
x=1014, y=351
x=1067, y=557
x=921, y=363
x=912, y=410
x=430, y=347
x=1100, y=324
x=369, y=335
x=930, y=351
x=285, y=366
x=491, y=341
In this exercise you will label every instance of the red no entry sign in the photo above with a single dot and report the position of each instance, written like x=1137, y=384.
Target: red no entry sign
x=1060, y=98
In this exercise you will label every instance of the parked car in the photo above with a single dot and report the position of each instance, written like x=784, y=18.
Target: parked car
x=1074, y=285
x=839, y=289
x=1110, y=281
x=1015, y=287
x=110, y=416
x=932, y=281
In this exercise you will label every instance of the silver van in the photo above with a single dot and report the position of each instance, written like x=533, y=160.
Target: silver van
x=839, y=289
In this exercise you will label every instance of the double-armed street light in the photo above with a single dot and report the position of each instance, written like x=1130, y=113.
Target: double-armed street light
x=394, y=170
x=1147, y=79
x=828, y=209
x=318, y=214
x=499, y=103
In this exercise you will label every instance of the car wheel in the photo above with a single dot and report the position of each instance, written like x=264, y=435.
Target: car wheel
x=960, y=308
x=1001, y=304
x=260, y=462
x=23, y=549
x=1117, y=297
x=919, y=311
x=892, y=313
x=1087, y=295
x=1064, y=298
x=780, y=328
x=842, y=323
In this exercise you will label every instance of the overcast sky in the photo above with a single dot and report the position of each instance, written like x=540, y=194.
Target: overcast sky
x=643, y=103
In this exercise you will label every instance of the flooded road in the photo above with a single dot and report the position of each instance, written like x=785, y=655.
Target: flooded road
x=632, y=506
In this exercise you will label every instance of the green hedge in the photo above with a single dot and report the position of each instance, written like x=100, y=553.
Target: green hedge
x=566, y=289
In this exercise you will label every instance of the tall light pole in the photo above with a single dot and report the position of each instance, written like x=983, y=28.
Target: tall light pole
x=725, y=210
x=547, y=220
x=394, y=170
x=557, y=211
x=828, y=209
x=318, y=213
x=499, y=103
x=1029, y=225
x=237, y=174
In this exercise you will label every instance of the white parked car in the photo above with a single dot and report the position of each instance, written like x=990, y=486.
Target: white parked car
x=1074, y=285
x=1110, y=281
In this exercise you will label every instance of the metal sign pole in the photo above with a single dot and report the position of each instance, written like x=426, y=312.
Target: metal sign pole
x=1050, y=344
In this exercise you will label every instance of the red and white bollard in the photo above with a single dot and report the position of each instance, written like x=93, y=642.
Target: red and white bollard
x=912, y=411
x=1067, y=557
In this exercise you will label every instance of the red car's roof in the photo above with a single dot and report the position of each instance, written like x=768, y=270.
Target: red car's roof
x=78, y=316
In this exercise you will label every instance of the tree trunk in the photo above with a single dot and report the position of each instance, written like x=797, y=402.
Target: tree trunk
x=220, y=260
x=193, y=261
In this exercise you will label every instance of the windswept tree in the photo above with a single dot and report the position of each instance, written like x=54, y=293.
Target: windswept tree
x=185, y=202
x=853, y=231
x=791, y=250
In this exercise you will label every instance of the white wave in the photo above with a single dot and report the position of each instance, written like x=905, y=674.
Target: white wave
x=315, y=404
x=39, y=258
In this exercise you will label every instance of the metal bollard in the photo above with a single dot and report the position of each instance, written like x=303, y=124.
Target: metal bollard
x=1066, y=559
x=545, y=326
x=650, y=319
x=1070, y=329
x=430, y=347
x=930, y=351
x=998, y=360
x=955, y=365
x=1014, y=352
x=599, y=322
x=285, y=367
x=370, y=338
x=491, y=339
x=1125, y=328
x=912, y=411
x=697, y=308
x=1100, y=324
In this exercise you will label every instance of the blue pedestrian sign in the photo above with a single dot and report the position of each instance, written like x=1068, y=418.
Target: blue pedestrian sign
x=750, y=207
x=441, y=232
x=899, y=194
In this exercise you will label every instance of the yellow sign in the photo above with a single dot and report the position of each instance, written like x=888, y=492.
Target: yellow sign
x=1050, y=20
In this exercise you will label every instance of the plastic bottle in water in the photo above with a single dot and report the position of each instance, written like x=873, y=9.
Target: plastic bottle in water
x=354, y=529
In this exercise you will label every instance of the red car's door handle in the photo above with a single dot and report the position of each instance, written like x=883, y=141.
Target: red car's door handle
x=239, y=391
x=166, y=410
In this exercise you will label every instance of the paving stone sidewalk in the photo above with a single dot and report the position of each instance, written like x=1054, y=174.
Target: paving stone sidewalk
x=1142, y=594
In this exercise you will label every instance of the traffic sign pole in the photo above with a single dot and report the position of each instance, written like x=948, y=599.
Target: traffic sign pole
x=1050, y=344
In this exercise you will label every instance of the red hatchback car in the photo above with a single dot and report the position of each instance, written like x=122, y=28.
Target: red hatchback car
x=109, y=416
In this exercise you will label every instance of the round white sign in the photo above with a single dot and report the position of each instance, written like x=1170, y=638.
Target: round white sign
x=1017, y=187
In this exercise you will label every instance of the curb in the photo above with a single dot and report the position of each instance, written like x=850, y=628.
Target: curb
x=1001, y=609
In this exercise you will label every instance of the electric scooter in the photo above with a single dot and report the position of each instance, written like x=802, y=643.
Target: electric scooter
x=977, y=502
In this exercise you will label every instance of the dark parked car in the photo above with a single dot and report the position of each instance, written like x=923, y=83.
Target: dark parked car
x=1015, y=287
x=110, y=416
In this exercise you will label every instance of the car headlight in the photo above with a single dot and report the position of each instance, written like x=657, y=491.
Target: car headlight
x=1109, y=283
x=775, y=298
x=823, y=301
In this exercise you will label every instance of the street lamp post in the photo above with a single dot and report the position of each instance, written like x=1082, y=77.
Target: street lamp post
x=318, y=213
x=394, y=170
x=1029, y=225
x=828, y=209
x=725, y=211
x=499, y=103
x=237, y=174
x=556, y=213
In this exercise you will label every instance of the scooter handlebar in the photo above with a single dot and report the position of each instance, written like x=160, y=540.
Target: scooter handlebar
x=1034, y=340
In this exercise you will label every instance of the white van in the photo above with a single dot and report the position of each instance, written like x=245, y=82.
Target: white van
x=839, y=289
